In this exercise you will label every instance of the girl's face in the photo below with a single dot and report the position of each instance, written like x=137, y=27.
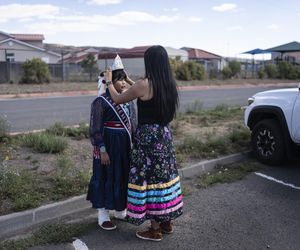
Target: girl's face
x=120, y=85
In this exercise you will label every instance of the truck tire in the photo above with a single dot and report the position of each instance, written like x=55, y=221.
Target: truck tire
x=268, y=142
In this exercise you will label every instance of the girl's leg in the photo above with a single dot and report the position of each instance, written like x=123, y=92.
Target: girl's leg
x=104, y=220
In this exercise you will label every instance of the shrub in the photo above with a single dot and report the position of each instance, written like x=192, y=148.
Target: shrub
x=190, y=71
x=284, y=69
x=235, y=67
x=271, y=70
x=4, y=128
x=175, y=64
x=45, y=143
x=35, y=71
x=21, y=188
x=261, y=73
x=226, y=72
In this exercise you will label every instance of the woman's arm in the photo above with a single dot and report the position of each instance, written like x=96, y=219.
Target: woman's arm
x=139, y=89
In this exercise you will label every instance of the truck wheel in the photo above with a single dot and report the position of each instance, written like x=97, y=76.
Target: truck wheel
x=268, y=142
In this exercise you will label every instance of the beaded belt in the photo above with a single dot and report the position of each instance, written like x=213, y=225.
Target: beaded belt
x=113, y=124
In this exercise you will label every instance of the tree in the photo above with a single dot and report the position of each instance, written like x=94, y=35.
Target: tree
x=89, y=65
x=35, y=71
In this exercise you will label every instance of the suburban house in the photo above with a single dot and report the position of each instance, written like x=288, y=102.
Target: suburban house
x=78, y=56
x=210, y=61
x=22, y=47
x=289, y=52
x=133, y=59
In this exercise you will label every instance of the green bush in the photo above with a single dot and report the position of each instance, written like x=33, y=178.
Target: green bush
x=35, y=71
x=175, y=64
x=235, y=67
x=45, y=143
x=226, y=72
x=261, y=73
x=271, y=71
x=284, y=70
x=190, y=71
x=4, y=128
x=21, y=188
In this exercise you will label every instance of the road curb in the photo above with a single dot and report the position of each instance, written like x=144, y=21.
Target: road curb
x=21, y=220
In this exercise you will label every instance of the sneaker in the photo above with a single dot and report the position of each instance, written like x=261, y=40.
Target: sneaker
x=151, y=234
x=166, y=227
x=108, y=225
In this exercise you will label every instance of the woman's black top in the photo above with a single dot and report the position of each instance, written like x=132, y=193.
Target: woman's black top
x=146, y=112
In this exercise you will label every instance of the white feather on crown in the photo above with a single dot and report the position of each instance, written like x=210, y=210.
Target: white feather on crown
x=117, y=64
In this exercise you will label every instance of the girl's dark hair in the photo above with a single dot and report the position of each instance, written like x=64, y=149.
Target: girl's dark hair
x=159, y=74
x=118, y=74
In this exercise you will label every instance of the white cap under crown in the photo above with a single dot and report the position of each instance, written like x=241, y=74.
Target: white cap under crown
x=117, y=64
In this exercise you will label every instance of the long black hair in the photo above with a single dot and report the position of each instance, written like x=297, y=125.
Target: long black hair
x=159, y=74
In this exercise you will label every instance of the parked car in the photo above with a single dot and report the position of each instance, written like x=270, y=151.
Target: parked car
x=274, y=120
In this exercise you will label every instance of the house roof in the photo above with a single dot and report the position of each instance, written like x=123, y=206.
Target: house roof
x=28, y=37
x=29, y=45
x=201, y=54
x=76, y=59
x=135, y=52
x=288, y=47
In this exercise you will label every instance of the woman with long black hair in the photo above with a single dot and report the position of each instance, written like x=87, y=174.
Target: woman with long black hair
x=154, y=191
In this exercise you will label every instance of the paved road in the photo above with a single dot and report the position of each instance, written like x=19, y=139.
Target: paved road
x=254, y=213
x=39, y=113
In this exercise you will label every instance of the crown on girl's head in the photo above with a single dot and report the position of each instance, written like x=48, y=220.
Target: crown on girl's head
x=117, y=64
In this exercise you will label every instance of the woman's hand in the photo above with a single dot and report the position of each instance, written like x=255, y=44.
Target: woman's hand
x=128, y=79
x=104, y=158
x=108, y=75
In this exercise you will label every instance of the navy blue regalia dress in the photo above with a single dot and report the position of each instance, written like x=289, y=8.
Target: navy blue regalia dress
x=111, y=125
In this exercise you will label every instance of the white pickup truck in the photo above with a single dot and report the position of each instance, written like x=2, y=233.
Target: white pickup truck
x=274, y=120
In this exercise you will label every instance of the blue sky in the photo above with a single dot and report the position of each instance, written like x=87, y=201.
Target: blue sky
x=226, y=28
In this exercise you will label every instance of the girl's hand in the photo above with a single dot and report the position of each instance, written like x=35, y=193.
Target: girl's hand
x=104, y=158
x=108, y=75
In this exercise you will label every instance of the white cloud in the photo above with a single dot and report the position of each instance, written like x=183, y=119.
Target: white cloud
x=272, y=26
x=94, y=23
x=103, y=2
x=21, y=11
x=195, y=19
x=234, y=28
x=225, y=7
x=171, y=9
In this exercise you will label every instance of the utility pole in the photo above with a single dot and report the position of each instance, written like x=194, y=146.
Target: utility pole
x=62, y=66
x=7, y=61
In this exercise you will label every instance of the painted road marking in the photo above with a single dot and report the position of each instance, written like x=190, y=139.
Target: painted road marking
x=79, y=245
x=278, y=181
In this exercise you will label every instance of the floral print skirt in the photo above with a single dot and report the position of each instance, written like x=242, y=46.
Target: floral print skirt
x=154, y=190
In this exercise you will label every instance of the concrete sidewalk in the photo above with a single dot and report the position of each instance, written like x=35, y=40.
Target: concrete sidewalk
x=12, y=223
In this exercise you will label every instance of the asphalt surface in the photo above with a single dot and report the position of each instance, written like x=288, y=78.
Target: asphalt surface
x=40, y=113
x=254, y=213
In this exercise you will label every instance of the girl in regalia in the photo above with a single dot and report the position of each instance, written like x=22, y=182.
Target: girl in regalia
x=111, y=127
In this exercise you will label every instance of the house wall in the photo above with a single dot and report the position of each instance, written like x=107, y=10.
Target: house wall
x=23, y=53
x=35, y=43
x=173, y=53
